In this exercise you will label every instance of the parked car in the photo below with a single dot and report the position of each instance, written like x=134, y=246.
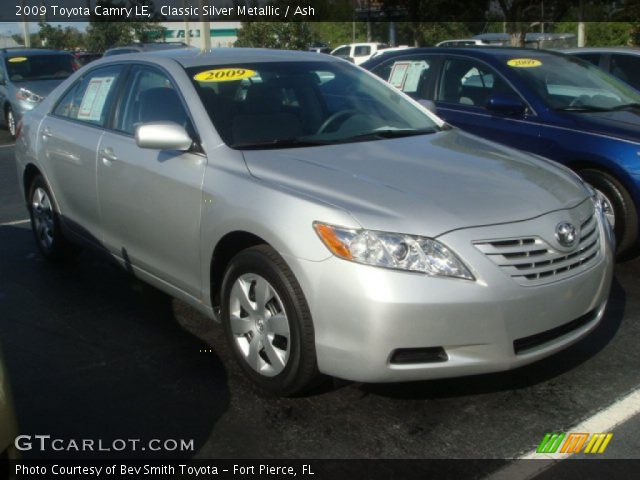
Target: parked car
x=26, y=77
x=145, y=47
x=532, y=39
x=621, y=62
x=86, y=57
x=464, y=42
x=320, y=48
x=9, y=429
x=358, y=52
x=332, y=224
x=543, y=102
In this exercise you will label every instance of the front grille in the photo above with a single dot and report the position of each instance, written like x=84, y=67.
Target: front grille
x=532, y=261
x=523, y=345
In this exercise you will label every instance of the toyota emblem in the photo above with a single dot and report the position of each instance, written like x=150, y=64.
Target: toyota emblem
x=566, y=234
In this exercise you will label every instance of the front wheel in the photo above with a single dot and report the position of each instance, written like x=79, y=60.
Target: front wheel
x=618, y=207
x=267, y=322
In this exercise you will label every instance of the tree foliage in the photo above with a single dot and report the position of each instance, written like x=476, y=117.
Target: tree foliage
x=68, y=38
x=284, y=35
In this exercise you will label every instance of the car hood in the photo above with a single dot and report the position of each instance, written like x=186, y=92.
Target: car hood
x=40, y=87
x=427, y=185
x=623, y=124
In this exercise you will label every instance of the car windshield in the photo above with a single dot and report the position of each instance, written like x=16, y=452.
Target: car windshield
x=39, y=67
x=570, y=84
x=295, y=104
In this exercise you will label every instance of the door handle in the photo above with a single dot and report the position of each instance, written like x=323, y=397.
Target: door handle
x=46, y=132
x=107, y=155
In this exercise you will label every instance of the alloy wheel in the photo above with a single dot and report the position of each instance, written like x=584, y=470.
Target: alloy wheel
x=259, y=324
x=42, y=218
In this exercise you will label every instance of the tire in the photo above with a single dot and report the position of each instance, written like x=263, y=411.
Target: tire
x=45, y=224
x=278, y=356
x=10, y=121
x=624, y=210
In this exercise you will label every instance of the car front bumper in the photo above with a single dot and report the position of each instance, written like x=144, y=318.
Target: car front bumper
x=363, y=314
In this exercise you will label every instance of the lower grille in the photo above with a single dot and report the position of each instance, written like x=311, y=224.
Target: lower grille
x=532, y=261
x=404, y=356
x=523, y=345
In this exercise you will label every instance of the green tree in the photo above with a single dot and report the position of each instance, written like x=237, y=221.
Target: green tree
x=285, y=35
x=68, y=38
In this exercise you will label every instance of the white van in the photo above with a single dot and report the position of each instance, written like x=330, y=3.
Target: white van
x=358, y=52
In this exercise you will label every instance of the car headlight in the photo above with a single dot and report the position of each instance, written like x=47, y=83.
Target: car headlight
x=392, y=250
x=28, y=96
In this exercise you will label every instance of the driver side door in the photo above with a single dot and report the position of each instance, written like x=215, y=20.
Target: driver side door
x=150, y=200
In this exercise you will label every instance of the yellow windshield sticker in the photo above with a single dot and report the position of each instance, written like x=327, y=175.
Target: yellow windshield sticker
x=18, y=59
x=223, y=75
x=524, y=62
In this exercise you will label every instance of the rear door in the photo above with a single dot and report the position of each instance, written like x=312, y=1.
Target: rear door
x=150, y=200
x=70, y=136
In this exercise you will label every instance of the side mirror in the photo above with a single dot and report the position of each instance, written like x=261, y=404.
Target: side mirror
x=507, y=104
x=429, y=105
x=162, y=136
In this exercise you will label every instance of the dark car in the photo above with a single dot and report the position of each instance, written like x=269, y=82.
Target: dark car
x=26, y=77
x=621, y=62
x=547, y=103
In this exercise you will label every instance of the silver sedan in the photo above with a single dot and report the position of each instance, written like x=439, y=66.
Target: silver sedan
x=333, y=225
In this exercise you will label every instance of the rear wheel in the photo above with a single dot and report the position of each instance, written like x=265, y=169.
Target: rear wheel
x=618, y=208
x=267, y=322
x=45, y=223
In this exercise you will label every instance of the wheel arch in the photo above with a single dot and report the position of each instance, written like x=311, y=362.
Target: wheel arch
x=227, y=247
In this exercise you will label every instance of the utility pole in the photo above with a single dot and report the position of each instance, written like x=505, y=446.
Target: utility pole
x=205, y=31
x=187, y=32
x=25, y=30
x=581, y=33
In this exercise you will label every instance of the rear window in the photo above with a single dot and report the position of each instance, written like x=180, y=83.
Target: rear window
x=39, y=67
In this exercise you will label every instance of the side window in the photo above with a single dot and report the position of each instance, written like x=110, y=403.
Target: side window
x=467, y=82
x=362, y=51
x=90, y=99
x=151, y=97
x=409, y=74
x=626, y=68
x=342, y=52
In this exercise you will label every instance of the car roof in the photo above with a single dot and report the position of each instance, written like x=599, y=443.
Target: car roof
x=629, y=50
x=482, y=51
x=192, y=57
x=25, y=52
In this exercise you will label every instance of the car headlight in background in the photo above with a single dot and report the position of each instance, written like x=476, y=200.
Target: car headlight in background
x=392, y=250
x=28, y=96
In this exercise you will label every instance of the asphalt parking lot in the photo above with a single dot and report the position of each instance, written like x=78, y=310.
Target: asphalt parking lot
x=92, y=352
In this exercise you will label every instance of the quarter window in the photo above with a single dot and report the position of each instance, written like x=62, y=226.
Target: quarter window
x=90, y=99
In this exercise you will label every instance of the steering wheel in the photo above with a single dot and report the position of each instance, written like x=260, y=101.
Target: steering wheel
x=576, y=102
x=334, y=118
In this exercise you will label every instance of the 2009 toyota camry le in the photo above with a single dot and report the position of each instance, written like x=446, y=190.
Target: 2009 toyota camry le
x=331, y=223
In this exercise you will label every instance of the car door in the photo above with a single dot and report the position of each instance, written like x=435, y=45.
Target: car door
x=462, y=93
x=3, y=88
x=69, y=137
x=150, y=199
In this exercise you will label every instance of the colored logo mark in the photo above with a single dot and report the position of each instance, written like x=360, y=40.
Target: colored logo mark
x=574, y=442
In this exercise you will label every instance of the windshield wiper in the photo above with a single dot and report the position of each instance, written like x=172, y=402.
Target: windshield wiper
x=387, y=133
x=583, y=108
x=279, y=143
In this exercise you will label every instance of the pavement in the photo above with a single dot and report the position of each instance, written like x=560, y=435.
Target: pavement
x=94, y=353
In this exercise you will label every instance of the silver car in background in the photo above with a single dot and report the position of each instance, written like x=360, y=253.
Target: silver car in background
x=332, y=224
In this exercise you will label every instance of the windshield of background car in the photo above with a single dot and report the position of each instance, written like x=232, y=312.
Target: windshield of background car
x=39, y=67
x=289, y=104
x=567, y=83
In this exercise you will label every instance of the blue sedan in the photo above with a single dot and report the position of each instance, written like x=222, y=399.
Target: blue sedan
x=547, y=103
